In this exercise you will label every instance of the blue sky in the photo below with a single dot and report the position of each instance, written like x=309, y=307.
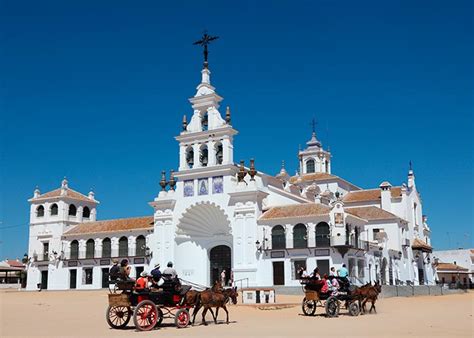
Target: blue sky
x=95, y=91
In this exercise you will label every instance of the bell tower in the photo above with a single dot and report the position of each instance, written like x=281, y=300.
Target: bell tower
x=314, y=159
x=207, y=140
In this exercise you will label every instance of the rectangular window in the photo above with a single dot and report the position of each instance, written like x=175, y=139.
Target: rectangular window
x=296, y=266
x=323, y=265
x=217, y=185
x=87, y=276
x=188, y=188
x=374, y=233
x=203, y=186
x=360, y=268
x=46, y=251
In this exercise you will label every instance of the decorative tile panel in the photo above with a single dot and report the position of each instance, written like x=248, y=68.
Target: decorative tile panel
x=188, y=188
x=203, y=186
x=217, y=185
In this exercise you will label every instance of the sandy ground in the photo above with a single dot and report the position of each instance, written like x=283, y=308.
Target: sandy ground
x=82, y=313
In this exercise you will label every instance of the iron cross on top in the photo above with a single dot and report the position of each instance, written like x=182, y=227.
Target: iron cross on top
x=205, y=40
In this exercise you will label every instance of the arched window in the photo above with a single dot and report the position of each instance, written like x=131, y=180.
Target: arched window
x=90, y=248
x=278, y=237
x=205, y=121
x=300, y=238
x=106, y=248
x=203, y=156
x=86, y=212
x=326, y=166
x=310, y=166
x=74, y=249
x=54, y=209
x=123, y=247
x=40, y=211
x=190, y=157
x=140, y=246
x=323, y=235
x=219, y=153
x=72, y=210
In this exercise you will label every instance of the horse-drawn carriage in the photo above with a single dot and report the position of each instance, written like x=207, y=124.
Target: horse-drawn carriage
x=330, y=301
x=148, y=308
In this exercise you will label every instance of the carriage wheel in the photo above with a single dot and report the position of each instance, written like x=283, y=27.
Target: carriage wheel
x=145, y=315
x=308, y=307
x=354, y=309
x=118, y=316
x=181, y=319
x=332, y=307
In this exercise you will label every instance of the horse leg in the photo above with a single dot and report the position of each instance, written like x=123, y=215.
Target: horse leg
x=197, y=307
x=204, y=315
x=363, y=305
x=217, y=313
x=373, y=306
x=214, y=316
x=227, y=313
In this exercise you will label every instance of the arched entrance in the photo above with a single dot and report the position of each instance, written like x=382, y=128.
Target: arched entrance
x=220, y=259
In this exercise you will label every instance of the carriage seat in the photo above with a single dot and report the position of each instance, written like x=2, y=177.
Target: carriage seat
x=125, y=285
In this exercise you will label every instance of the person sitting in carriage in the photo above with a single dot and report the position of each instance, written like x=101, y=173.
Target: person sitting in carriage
x=315, y=275
x=333, y=285
x=125, y=269
x=326, y=283
x=142, y=283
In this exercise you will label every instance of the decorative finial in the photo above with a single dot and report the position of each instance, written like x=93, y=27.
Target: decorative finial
x=91, y=194
x=313, y=125
x=185, y=122
x=64, y=182
x=172, y=181
x=411, y=166
x=252, y=171
x=283, y=164
x=241, y=174
x=163, y=182
x=227, y=115
x=37, y=192
x=204, y=42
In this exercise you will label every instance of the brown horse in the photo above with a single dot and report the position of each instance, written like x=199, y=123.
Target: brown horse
x=209, y=299
x=191, y=298
x=371, y=296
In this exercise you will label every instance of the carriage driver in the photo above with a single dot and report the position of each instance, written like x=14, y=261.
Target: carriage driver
x=170, y=272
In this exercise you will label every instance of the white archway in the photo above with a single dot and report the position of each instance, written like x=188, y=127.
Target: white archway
x=203, y=220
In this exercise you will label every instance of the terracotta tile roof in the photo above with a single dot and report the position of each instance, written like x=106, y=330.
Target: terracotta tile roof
x=312, y=177
x=112, y=225
x=370, y=213
x=449, y=267
x=15, y=263
x=421, y=245
x=295, y=210
x=69, y=193
x=369, y=195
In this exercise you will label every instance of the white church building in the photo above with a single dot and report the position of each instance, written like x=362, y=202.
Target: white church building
x=213, y=214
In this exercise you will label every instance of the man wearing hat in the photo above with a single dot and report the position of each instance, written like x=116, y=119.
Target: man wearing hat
x=114, y=270
x=156, y=274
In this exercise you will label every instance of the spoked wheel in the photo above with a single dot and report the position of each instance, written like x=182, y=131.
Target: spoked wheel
x=308, y=307
x=145, y=315
x=354, y=309
x=332, y=307
x=118, y=316
x=181, y=319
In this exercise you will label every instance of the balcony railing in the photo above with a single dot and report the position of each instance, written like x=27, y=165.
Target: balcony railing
x=113, y=254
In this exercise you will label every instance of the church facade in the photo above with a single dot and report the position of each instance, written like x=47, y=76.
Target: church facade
x=213, y=215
